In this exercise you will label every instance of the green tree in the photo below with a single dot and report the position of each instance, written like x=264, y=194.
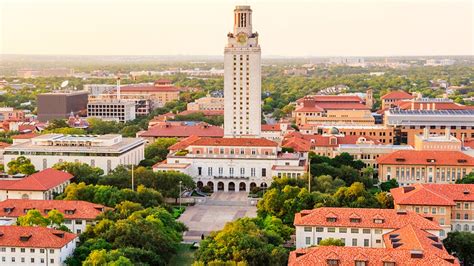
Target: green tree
x=331, y=242
x=65, y=131
x=387, y=185
x=57, y=123
x=130, y=131
x=32, y=218
x=108, y=258
x=157, y=151
x=461, y=244
x=82, y=172
x=55, y=218
x=21, y=165
x=468, y=179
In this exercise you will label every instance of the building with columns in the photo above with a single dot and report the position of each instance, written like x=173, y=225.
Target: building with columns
x=242, y=78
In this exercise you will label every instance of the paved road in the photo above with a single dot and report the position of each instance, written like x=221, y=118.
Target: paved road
x=220, y=208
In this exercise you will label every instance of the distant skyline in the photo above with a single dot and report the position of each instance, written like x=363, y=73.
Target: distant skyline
x=286, y=28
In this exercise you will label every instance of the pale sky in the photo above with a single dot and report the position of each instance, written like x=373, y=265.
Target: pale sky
x=199, y=27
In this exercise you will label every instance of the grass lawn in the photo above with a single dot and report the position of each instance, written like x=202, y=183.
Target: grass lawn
x=185, y=256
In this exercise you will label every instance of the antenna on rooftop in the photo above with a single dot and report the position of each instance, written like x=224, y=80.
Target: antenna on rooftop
x=64, y=84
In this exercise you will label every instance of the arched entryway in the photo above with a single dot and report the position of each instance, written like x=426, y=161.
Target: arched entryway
x=231, y=186
x=242, y=186
x=252, y=185
x=220, y=186
x=263, y=185
x=199, y=184
x=210, y=184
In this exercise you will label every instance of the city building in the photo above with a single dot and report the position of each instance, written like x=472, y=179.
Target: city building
x=179, y=129
x=206, y=113
x=231, y=164
x=242, y=78
x=382, y=134
x=332, y=110
x=408, y=123
x=77, y=214
x=450, y=205
x=11, y=114
x=114, y=110
x=3, y=145
x=104, y=151
x=348, y=61
x=445, y=142
x=324, y=145
x=60, y=105
x=35, y=245
x=207, y=103
x=356, y=227
x=394, y=96
x=22, y=138
x=159, y=93
x=440, y=62
x=276, y=132
x=368, y=153
x=50, y=72
x=419, y=103
x=409, y=247
x=97, y=89
x=43, y=185
x=410, y=167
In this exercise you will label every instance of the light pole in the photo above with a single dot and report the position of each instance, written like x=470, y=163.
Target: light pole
x=133, y=179
x=180, y=194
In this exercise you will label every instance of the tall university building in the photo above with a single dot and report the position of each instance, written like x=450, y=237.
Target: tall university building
x=242, y=78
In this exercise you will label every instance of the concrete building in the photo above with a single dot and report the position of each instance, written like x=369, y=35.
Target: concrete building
x=356, y=227
x=11, y=114
x=231, y=164
x=332, y=110
x=35, y=245
x=412, y=167
x=43, y=185
x=180, y=130
x=105, y=151
x=159, y=93
x=450, y=205
x=60, y=105
x=445, y=142
x=394, y=96
x=408, y=123
x=77, y=214
x=242, y=78
x=382, y=134
x=207, y=103
x=97, y=89
x=114, y=110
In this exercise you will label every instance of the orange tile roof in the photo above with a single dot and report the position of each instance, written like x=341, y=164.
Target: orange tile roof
x=34, y=237
x=25, y=136
x=331, y=98
x=4, y=145
x=407, y=105
x=40, y=181
x=81, y=209
x=392, y=219
x=433, y=194
x=249, y=142
x=397, y=95
x=303, y=142
x=347, y=256
x=179, y=130
x=416, y=157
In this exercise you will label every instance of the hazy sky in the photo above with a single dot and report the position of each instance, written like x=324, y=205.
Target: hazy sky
x=199, y=27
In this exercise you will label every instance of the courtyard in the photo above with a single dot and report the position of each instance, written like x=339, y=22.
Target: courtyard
x=220, y=208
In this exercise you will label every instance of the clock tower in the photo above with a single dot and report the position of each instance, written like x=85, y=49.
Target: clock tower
x=242, y=78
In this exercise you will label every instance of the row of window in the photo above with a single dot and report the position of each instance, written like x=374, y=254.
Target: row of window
x=23, y=250
x=342, y=230
x=220, y=171
x=23, y=260
x=354, y=242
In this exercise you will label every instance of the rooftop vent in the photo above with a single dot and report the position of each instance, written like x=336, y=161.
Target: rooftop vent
x=59, y=234
x=25, y=238
x=462, y=161
x=430, y=160
x=408, y=189
x=416, y=254
x=466, y=192
x=396, y=245
x=438, y=245
x=401, y=212
x=400, y=159
x=434, y=238
x=393, y=235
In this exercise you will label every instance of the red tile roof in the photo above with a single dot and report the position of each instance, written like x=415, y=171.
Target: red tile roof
x=452, y=158
x=343, y=106
x=184, y=143
x=25, y=136
x=40, y=181
x=250, y=142
x=320, y=103
x=331, y=98
x=347, y=256
x=407, y=105
x=304, y=143
x=34, y=237
x=181, y=130
x=397, y=95
x=81, y=209
x=4, y=145
x=433, y=194
x=392, y=219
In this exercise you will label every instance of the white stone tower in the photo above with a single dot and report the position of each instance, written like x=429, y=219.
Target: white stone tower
x=242, y=78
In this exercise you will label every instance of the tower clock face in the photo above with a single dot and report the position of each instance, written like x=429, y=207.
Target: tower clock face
x=242, y=38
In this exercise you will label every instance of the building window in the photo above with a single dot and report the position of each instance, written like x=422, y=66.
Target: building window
x=242, y=171
x=221, y=171
x=252, y=172
x=331, y=230
x=319, y=229
x=378, y=231
x=342, y=230
x=307, y=229
x=354, y=230
x=333, y=262
x=231, y=171
x=308, y=240
x=199, y=170
x=209, y=171
x=466, y=216
x=354, y=242
x=366, y=242
x=366, y=231
x=264, y=172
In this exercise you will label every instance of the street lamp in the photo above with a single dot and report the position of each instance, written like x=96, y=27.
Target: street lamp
x=180, y=182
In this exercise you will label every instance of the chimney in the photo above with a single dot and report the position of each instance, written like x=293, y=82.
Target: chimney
x=118, y=88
